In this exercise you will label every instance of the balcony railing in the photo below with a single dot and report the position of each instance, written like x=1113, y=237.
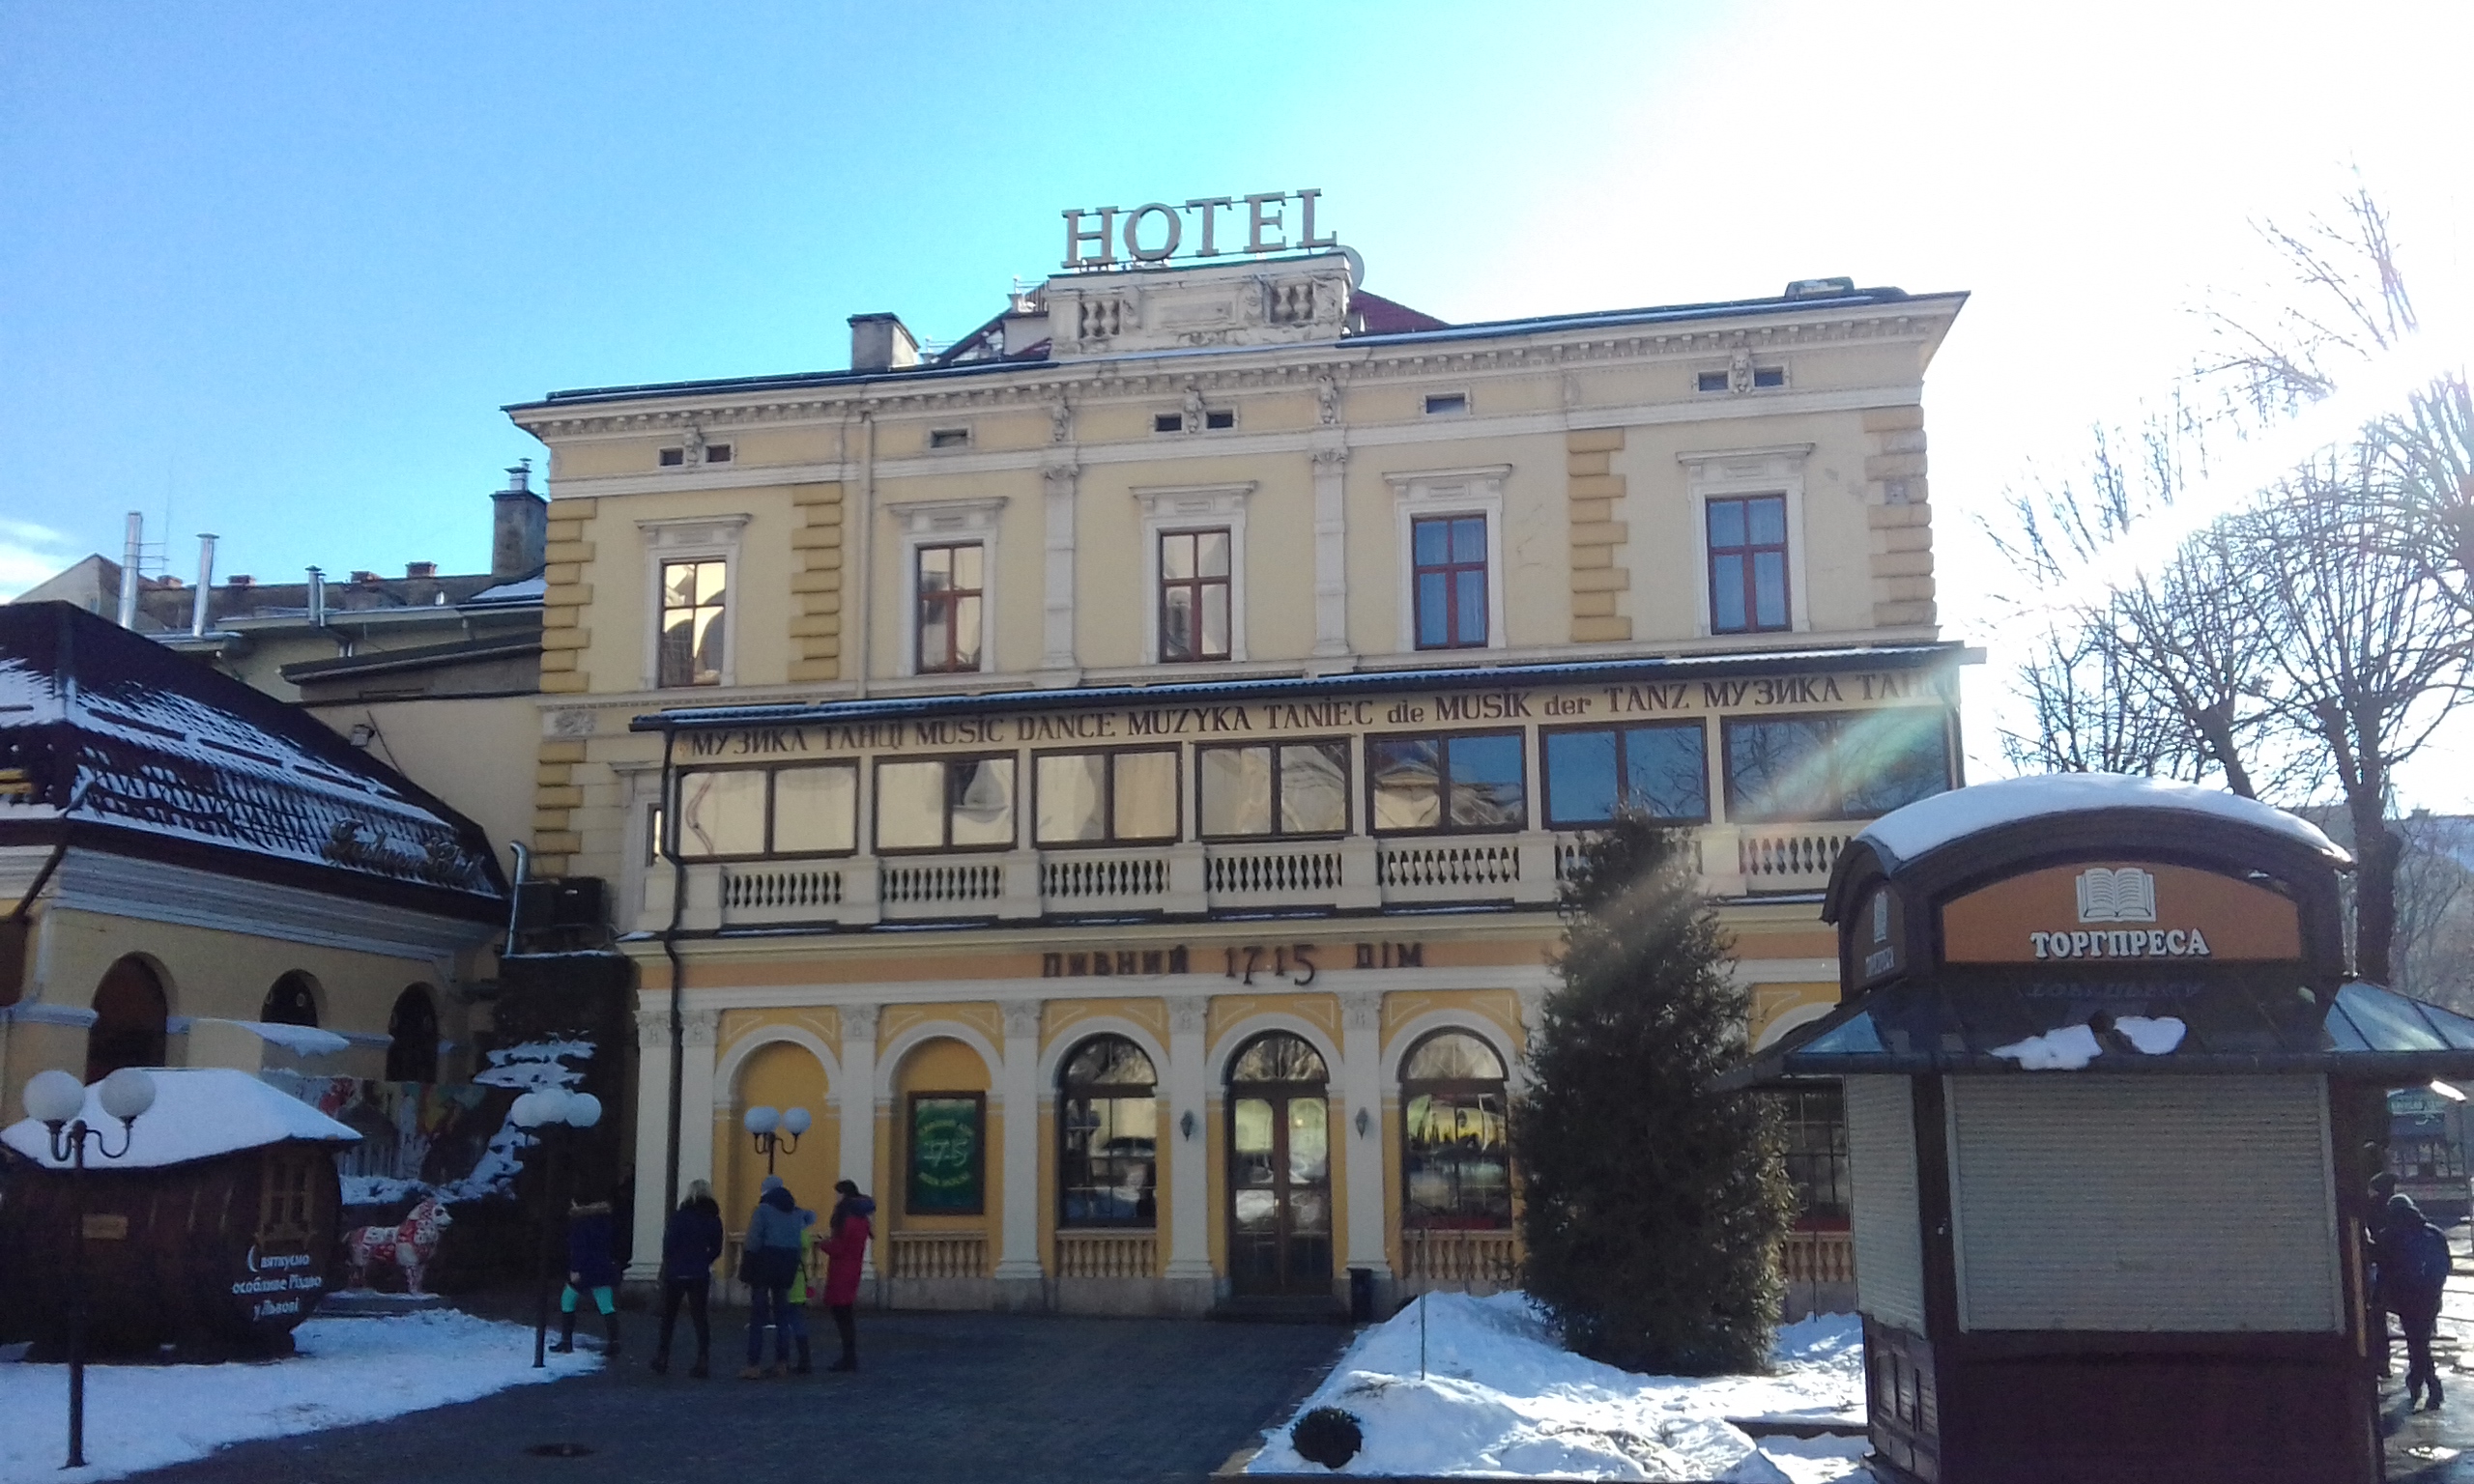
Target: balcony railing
x=1106, y=1254
x=1196, y=878
x=938, y=1254
x=1478, y=1261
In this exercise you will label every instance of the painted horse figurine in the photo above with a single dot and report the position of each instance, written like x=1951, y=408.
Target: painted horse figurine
x=410, y=1246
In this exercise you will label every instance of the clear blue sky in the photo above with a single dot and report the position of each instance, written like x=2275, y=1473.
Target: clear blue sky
x=279, y=265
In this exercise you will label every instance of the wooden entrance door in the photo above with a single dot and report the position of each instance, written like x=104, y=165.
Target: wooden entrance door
x=1279, y=1170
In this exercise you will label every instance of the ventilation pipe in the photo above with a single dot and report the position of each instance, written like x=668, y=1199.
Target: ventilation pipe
x=205, y=585
x=131, y=551
x=317, y=597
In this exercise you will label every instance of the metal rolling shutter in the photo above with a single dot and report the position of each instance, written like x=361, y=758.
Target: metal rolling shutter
x=1881, y=1155
x=2197, y=1205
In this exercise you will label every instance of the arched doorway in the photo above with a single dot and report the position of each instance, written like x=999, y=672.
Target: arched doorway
x=1279, y=1168
x=293, y=1001
x=1108, y=1128
x=412, y=1031
x=129, y=1015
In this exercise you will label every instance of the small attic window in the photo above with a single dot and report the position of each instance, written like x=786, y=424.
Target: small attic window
x=1167, y=423
x=949, y=438
x=673, y=458
x=1447, y=404
x=1221, y=418
x=717, y=453
x=1709, y=380
x=1769, y=376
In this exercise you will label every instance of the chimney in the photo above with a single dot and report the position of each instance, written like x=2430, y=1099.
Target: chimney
x=879, y=342
x=420, y=569
x=520, y=527
x=239, y=579
x=198, y=610
x=358, y=576
x=132, y=552
x=317, y=597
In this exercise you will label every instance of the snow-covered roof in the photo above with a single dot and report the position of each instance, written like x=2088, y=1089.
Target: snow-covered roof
x=105, y=727
x=199, y=1113
x=1929, y=824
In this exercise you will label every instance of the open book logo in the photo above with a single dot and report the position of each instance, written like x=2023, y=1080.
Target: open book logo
x=2123, y=894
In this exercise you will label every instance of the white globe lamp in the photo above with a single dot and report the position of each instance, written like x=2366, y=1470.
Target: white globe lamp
x=127, y=1094
x=796, y=1121
x=761, y=1119
x=583, y=1111
x=54, y=1098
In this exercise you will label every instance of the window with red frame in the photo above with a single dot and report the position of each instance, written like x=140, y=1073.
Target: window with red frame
x=951, y=586
x=1447, y=559
x=1749, y=565
x=1193, y=595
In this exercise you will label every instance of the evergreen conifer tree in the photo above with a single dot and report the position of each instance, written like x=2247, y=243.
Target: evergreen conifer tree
x=1653, y=1206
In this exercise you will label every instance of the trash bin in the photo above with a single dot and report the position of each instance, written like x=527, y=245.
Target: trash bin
x=1361, y=1296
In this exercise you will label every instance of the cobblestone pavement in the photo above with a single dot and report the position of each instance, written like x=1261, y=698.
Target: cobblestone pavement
x=942, y=1399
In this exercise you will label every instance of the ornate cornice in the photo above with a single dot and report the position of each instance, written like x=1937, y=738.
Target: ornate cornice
x=1293, y=367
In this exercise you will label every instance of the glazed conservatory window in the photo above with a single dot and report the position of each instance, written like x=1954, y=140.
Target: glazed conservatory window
x=1096, y=798
x=1108, y=1124
x=1853, y=766
x=1291, y=789
x=945, y=803
x=1473, y=781
x=1455, y=1160
x=1662, y=771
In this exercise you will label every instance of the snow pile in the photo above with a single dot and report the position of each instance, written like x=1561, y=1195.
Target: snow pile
x=1928, y=824
x=2067, y=1049
x=349, y=1370
x=1501, y=1395
x=199, y=1112
x=299, y=1040
x=2074, y=1047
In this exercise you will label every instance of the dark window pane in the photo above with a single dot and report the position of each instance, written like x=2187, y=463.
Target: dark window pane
x=1456, y=1171
x=1892, y=757
x=1770, y=587
x=1666, y=771
x=1726, y=523
x=1431, y=541
x=1433, y=614
x=1580, y=777
x=1779, y=769
x=1768, y=519
x=1486, y=783
x=1469, y=539
x=1472, y=616
x=1726, y=595
x=1278, y=1057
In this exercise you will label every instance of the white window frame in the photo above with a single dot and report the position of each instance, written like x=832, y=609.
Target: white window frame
x=945, y=522
x=1420, y=493
x=1167, y=509
x=1732, y=474
x=693, y=538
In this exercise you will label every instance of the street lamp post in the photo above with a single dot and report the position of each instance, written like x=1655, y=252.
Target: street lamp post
x=776, y=1129
x=543, y=1113
x=57, y=1101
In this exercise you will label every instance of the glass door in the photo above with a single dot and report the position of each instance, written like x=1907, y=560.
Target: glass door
x=1280, y=1178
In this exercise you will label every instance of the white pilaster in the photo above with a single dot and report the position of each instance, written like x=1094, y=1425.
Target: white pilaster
x=1188, y=1089
x=855, y=1102
x=1019, y=1253
x=652, y=1138
x=1368, y=1165
x=1056, y=602
x=698, y=1098
x=1331, y=550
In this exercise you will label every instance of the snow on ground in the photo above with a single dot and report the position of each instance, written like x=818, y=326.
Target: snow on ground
x=349, y=1370
x=1501, y=1395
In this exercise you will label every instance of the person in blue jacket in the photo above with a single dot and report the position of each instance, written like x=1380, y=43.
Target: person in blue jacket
x=591, y=1268
x=769, y=1260
x=2414, y=1264
x=690, y=1244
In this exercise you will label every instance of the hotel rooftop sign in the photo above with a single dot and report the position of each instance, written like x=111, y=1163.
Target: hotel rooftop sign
x=1155, y=231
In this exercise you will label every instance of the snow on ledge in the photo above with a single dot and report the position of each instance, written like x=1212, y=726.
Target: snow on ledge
x=299, y=1040
x=2074, y=1047
x=1928, y=824
x=199, y=1113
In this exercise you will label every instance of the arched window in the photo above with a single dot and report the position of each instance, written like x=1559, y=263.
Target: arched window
x=1278, y=1057
x=411, y=1029
x=1108, y=1125
x=130, y=1013
x=293, y=1001
x=1455, y=1166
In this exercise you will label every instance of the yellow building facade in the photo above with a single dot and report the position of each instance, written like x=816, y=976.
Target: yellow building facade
x=1116, y=772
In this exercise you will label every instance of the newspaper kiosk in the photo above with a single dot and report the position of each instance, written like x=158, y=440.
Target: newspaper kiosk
x=2100, y=1060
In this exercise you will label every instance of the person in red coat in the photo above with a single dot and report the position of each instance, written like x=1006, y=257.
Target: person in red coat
x=845, y=1247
